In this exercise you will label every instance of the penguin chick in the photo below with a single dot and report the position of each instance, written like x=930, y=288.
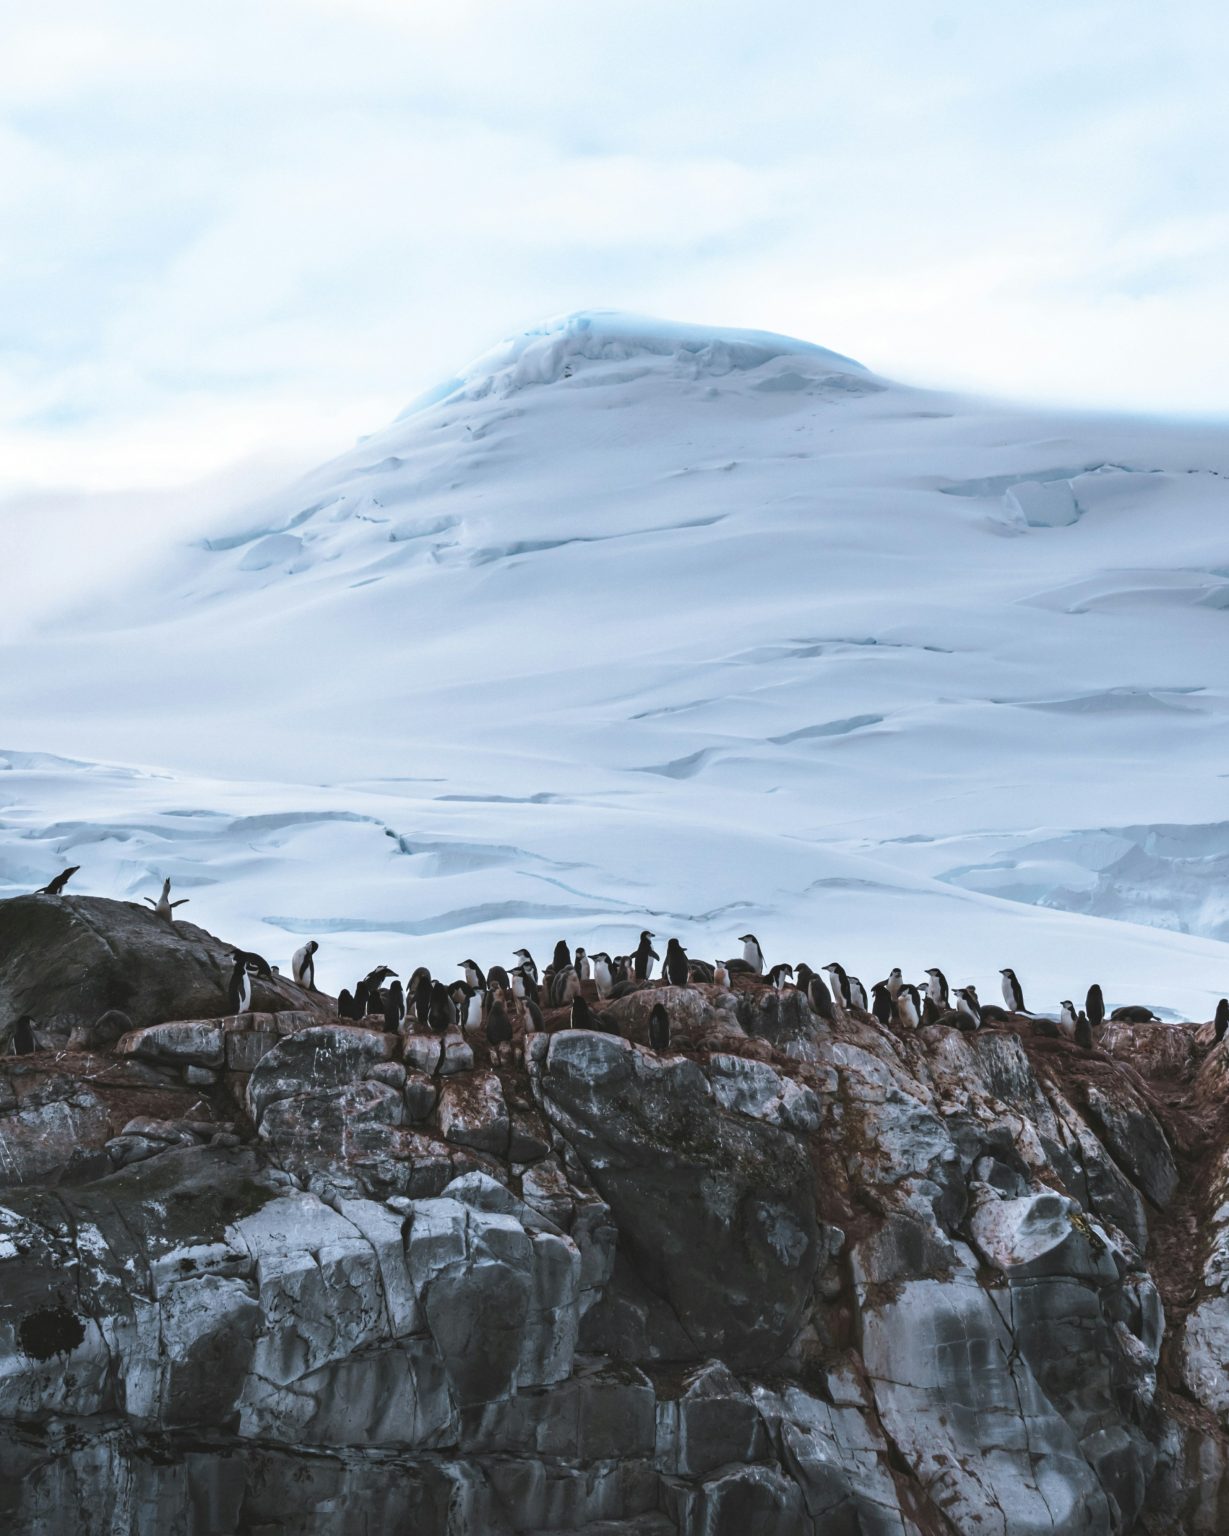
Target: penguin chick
x=674, y=966
x=498, y=1024
x=659, y=1028
x=701, y=971
x=54, y=887
x=303, y=965
x=564, y=986
x=1094, y=1003
x=498, y=979
x=721, y=974
x=1083, y=1032
x=442, y=1011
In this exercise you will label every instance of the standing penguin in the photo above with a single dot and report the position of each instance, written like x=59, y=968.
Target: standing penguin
x=472, y=972
x=894, y=982
x=642, y=960
x=1094, y=1003
x=659, y=1028
x=603, y=977
x=1083, y=1032
x=22, y=1041
x=1066, y=1017
x=909, y=1006
x=422, y=998
x=442, y=1011
x=721, y=974
x=839, y=982
x=54, y=887
x=1222, y=1019
x=936, y=988
x=394, y=1008
x=777, y=976
x=303, y=965
x=347, y=1008
x=881, y=1002
x=164, y=906
x=375, y=981
x=240, y=987
x=528, y=962
x=564, y=986
x=581, y=963
x=562, y=955
x=819, y=997
x=362, y=1002
x=753, y=955
x=498, y=1024
x=674, y=966
x=1013, y=992
x=967, y=1004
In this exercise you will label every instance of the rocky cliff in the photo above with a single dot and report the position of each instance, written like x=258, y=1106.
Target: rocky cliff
x=283, y=1274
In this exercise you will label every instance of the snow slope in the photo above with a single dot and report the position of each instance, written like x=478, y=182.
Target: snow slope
x=635, y=623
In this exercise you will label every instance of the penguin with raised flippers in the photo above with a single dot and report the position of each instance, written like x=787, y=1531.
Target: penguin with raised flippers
x=674, y=966
x=1221, y=1021
x=303, y=965
x=375, y=983
x=164, y=907
x=394, y=1008
x=1094, y=1005
x=54, y=887
x=642, y=960
x=659, y=1028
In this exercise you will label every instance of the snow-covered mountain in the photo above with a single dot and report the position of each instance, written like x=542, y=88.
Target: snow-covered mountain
x=635, y=623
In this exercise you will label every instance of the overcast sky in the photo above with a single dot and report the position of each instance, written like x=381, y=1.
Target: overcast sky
x=229, y=228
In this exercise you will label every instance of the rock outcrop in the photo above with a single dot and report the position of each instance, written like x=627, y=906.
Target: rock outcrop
x=286, y=1273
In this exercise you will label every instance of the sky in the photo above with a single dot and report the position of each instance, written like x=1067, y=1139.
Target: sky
x=233, y=236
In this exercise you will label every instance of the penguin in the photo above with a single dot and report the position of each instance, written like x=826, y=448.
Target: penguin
x=498, y=1024
x=1047, y=1027
x=1083, y=1031
x=1222, y=1019
x=991, y=1013
x=721, y=974
x=909, y=1005
x=621, y=969
x=753, y=955
x=881, y=1002
x=701, y=971
x=472, y=972
x=23, y=1031
x=603, y=978
x=858, y=993
x=534, y=1022
x=346, y=1006
x=802, y=975
x=936, y=988
x=1066, y=1017
x=54, y=887
x=497, y=979
x=1094, y=1003
x=375, y=981
x=528, y=962
x=442, y=1011
x=564, y=986
x=240, y=989
x=303, y=965
x=644, y=957
x=256, y=964
x=1134, y=1013
x=1013, y=992
x=778, y=974
x=394, y=1008
x=469, y=1005
x=820, y=999
x=423, y=994
x=362, y=1001
x=524, y=984
x=967, y=1004
x=840, y=982
x=931, y=1011
x=674, y=966
x=164, y=906
x=580, y=963
x=894, y=982
x=584, y=1017
x=659, y=1028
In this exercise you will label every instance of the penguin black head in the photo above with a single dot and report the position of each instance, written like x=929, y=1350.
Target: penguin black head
x=659, y=1028
x=582, y=1014
x=562, y=955
x=312, y=946
x=1222, y=1018
x=378, y=977
x=23, y=1036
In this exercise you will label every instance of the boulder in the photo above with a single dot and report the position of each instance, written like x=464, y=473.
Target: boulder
x=316, y=1060
x=472, y=1113
x=66, y=960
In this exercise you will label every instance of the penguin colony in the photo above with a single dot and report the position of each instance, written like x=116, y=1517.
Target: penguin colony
x=490, y=1001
